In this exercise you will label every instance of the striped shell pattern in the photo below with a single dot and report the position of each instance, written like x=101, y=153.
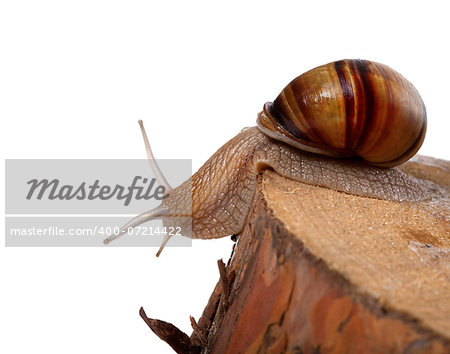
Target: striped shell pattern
x=350, y=108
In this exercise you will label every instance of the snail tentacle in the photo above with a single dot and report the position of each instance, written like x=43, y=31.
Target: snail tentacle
x=153, y=164
x=156, y=213
x=163, y=244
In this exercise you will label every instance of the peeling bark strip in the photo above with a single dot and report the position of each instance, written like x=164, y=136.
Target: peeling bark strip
x=319, y=271
x=197, y=337
x=178, y=340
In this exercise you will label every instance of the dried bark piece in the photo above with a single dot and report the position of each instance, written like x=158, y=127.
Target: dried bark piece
x=177, y=339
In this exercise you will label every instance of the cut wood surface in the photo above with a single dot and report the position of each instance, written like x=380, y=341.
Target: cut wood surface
x=316, y=270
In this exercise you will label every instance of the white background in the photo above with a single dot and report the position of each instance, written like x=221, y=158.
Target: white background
x=77, y=75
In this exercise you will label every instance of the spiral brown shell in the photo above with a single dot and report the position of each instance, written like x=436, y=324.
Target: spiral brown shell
x=349, y=108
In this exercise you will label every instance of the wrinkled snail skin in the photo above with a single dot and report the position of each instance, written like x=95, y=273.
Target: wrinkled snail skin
x=337, y=126
x=223, y=188
x=349, y=108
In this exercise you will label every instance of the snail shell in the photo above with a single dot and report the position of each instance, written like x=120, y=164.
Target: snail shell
x=352, y=109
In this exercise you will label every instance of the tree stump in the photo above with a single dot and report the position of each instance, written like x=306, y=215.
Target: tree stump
x=320, y=271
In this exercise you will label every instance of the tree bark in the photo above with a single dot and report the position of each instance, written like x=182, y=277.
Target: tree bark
x=320, y=271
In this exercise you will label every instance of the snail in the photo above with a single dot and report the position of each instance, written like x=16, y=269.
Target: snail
x=343, y=125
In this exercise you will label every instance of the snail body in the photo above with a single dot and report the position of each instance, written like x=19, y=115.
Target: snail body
x=216, y=200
